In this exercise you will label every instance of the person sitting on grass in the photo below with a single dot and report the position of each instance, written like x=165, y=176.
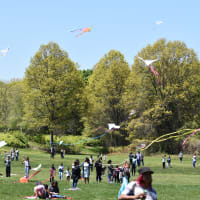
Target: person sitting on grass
x=141, y=188
x=39, y=190
x=54, y=191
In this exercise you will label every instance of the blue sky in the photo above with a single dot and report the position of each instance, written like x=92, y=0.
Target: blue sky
x=123, y=25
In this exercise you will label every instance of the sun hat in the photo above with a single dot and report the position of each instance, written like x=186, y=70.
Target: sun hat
x=144, y=170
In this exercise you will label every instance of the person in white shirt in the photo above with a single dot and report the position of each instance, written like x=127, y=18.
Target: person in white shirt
x=61, y=170
x=141, y=188
x=194, y=160
x=68, y=174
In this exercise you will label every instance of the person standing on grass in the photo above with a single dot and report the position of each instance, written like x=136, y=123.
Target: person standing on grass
x=52, y=173
x=141, y=188
x=130, y=157
x=98, y=165
x=91, y=163
x=17, y=154
x=8, y=166
x=194, y=158
x=133, y=165
x=163, y=161
x=52, y=152
x=86, y=170
x=68, y=174
x=76, y=174
x=27, y=166
x=181, y=156
x=110, y=171
x=62, y=154
x=61, y=171
x=169, y=162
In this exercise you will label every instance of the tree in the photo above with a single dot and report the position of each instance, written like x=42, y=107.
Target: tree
x=53, y=91
x=167, y=106
x=104, y=91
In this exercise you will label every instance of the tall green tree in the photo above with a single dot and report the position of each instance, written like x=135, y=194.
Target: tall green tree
x=104, y=91
x=4, y=105
x=16, y=105
x=166, y=106
x=53, y=91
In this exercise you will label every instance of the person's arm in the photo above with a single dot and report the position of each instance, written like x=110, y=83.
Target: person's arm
x=127, y=197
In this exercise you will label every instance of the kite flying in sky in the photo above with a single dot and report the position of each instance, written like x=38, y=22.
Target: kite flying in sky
x=149, y=63
x=4, y=52
x=81, y=31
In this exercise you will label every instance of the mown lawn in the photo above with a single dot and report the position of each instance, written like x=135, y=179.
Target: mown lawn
x=181, y=182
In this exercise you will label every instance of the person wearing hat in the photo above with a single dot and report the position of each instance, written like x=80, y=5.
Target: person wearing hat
x=141, y=188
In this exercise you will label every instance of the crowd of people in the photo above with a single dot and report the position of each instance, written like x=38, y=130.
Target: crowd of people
x=116, y=173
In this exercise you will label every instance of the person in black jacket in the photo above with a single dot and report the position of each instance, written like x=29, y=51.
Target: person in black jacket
x=76, y=173
x=8, y=166
x=98, y=165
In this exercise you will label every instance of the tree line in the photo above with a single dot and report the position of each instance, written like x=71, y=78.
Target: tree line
x=57, y=98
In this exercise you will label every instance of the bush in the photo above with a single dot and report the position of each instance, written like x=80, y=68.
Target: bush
x=14, y=139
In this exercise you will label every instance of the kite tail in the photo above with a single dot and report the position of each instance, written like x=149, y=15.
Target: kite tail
x=155, y=73
x=34, y=174
x=80, y=34
x=197, y=130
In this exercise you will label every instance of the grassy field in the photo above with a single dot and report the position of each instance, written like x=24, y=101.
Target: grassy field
x=181, y=182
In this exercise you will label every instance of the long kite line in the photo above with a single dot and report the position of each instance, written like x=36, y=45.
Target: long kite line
x=87, y=140
x=169, y=136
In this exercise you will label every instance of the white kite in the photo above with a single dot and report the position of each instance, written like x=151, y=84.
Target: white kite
x=37, y=168
x=60, y=142
x=159, y=22
x=148, y=62
x=4, y=52
x=113, y=126
x=2, y=143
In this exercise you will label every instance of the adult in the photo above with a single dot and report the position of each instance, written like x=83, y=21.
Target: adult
x=62, y=153
x=61, y=171
x=133, y=165
x=181, y=156
x=8, y=166
x=17, y=154
x=39, y=190
x=141, y=159
x=52, y=173
x=91, y=162
x=163, y=161
x=138, y=158
x=54, y=191
x=76, y=173
x=52, y=152
x=141, y=188
x=130, y=157
x=98, y=166
x=86, y=170
x=27, y=166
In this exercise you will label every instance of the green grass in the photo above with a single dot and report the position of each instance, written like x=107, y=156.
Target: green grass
x=181, y=182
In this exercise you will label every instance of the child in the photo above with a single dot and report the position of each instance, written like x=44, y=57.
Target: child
x=120, y=174
x=169, y=162
x=61, y=170
x=194, y=160
x=116, y=174
x=52, y=173
x=68, y=174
